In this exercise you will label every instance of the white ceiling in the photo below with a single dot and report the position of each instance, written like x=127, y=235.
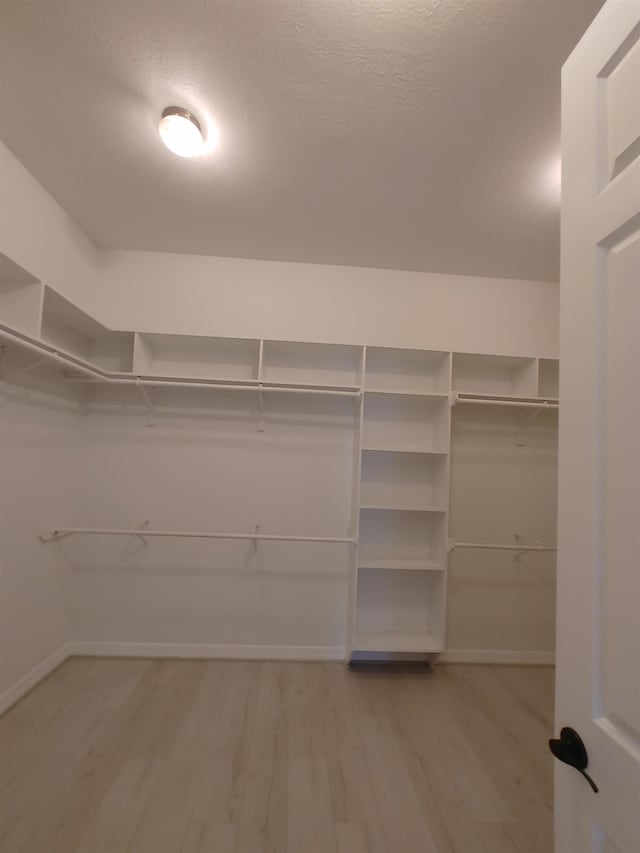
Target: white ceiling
x=404, y=134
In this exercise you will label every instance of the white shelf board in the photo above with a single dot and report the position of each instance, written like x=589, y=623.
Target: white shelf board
x=384, y=392
x=406, y=448
x=395, y=641
x=272, y=385
x=400, y=565
x=403, y=507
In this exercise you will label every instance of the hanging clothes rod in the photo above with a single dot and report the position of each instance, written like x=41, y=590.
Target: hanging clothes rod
x=489, y=547
x=51, y=353
x=147, y=381
x=61, y=532
x=525, y=403
x=92, y=374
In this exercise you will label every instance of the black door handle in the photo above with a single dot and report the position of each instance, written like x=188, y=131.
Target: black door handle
x=570, y=749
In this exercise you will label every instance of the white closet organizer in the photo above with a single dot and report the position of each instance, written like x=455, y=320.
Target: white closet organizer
x=399, y=525
x=400, y=582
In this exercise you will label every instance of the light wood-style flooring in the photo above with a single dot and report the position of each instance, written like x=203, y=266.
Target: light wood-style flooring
x=166, y=756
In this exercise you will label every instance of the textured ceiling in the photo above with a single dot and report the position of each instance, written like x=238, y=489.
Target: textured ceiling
x=405, y=134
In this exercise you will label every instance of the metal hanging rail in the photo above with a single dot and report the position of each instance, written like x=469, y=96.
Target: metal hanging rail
x=50, y=353
x=147, y=381
x=489, y=400
x=61, y=532
x=490, y=547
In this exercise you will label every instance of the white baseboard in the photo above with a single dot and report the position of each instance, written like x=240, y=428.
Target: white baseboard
x=498, y=656
x=23, y=685
x=206, y=651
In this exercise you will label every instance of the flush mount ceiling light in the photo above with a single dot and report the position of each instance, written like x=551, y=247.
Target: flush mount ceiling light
x=181, y=133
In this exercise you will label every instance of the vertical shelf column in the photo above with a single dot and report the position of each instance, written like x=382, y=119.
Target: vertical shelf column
x=355, y=510
x=400, y=578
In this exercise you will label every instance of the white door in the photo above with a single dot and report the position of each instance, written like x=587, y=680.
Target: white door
x=598, y=653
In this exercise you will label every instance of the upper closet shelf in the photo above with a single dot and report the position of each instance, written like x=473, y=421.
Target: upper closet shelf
x=85, y=370
x=180, y=356
x=400, y=386
x=20, y=298
x=76, y=333
x=385, y=392
x=291, y=364
x=405, y=371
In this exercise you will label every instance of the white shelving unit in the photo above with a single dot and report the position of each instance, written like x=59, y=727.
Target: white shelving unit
x=20, y=298
x=399, y=603
x=187, y=356
x=405, y=424
x=72, y=331
x=399, y=520
x=505, y=376
x=405, y=371
x=399, y=613
x=549, y=378
x=314, y=365
x=409, y=480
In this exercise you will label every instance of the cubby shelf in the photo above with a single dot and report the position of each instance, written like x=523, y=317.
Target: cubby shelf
x=400, y=508
x=336, y=366
x=74, y=332
x=181, y=356
x=383, y=447
x=493, y=374
x=396, y=641
x=405, y=371
x=401, y=565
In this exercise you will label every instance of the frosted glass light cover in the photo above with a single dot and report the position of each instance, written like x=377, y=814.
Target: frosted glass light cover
x=180, y=132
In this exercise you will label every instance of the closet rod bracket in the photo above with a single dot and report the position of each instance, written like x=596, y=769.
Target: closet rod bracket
x=147, y=396
x=260, y=419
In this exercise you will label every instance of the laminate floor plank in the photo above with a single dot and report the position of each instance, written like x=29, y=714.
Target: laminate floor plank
x=432, y=774
x=114, y=824
x=353, y=801
x=402, y=818
x=225, y=771
x=510, y=767
x=310, y=820
x=354, y=837
x=144, y=726
x=32, y=795
x=512, y=709
x=33, y=726
x=262, y=823
x=179, y=756
x=164, y=823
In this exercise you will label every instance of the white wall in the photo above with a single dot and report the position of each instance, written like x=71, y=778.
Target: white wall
x=152, y=291
x=39, y=236
x=41, y=476
x=204, y=466
x=503, y=483
x=155, y=599
x=147, y=291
